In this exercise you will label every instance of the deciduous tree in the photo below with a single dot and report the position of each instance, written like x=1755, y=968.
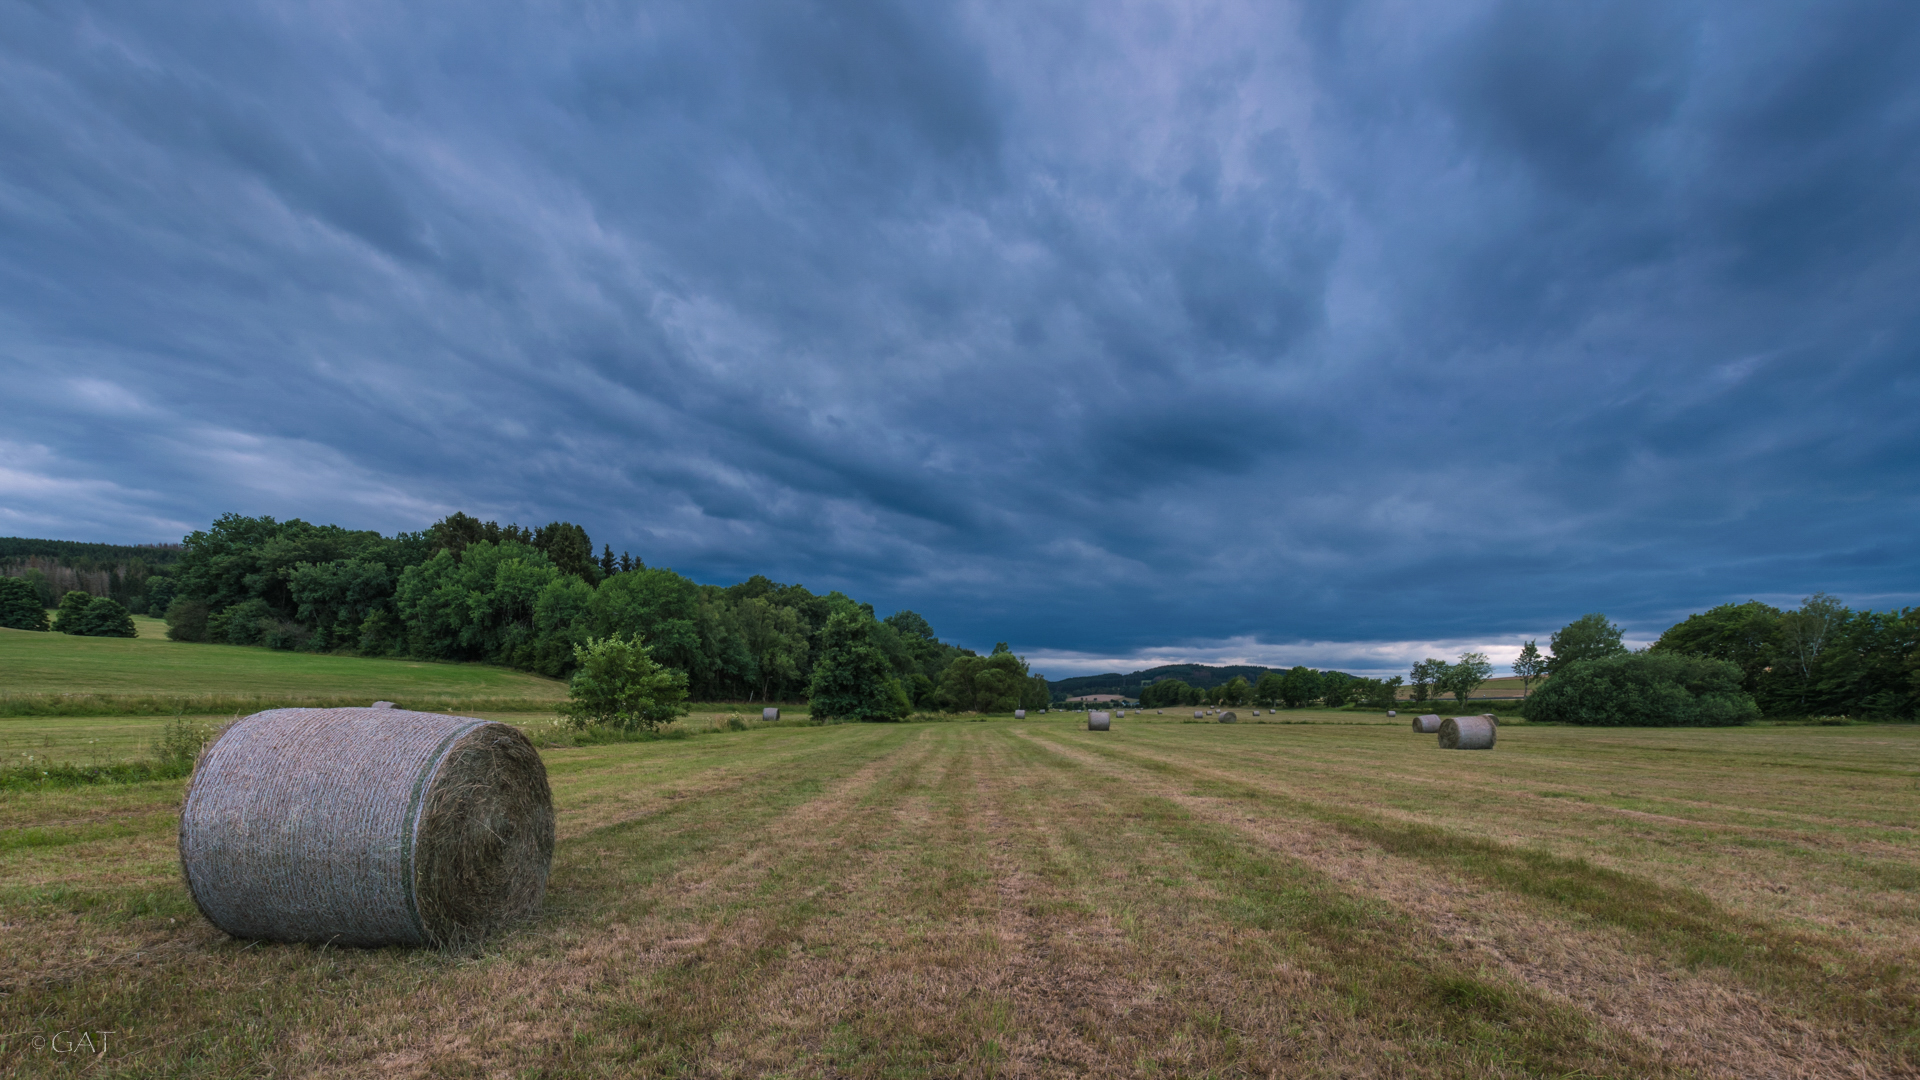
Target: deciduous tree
x=1463, y=678
x=852, y=679
x=617, y=683
x=1529, y=666
x=1589, y=637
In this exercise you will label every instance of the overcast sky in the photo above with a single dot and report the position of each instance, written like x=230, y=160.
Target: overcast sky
x=1335, y=333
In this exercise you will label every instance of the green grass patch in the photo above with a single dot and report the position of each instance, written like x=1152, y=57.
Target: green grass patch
x=47, y=674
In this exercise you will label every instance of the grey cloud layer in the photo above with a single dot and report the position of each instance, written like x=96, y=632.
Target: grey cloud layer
x=1095, y=328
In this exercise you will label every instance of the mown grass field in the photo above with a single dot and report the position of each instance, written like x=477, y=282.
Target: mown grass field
x=1025, y=898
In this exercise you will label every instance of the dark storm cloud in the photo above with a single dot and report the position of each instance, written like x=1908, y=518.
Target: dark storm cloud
x=1112, y=331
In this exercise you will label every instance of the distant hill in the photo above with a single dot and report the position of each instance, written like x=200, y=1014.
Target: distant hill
x=1200, y=675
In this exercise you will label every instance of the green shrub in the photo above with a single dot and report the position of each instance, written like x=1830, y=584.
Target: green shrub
x=1645, y=690
x=73, y=612
x=619, y=685
x=186, y=620
x=105, y=617
x=178, y=745
x=245, y=623
x=281, y=634
x=20, y=607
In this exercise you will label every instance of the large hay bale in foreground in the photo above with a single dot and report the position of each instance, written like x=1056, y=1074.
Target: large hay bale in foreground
x=1099, y=721
x=1468, y=733
x=1428, y=724
x=769, y=715
x=367, y=827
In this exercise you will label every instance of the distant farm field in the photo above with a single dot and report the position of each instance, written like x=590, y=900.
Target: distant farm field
x=55, y=674
x=1027, y=898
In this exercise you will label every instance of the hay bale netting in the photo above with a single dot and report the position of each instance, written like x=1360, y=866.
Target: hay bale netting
x=769, y=715
x=1428, y=724
x=1019, y=714
x=1099, y=721
x=1468, y=732
x=367, y=827
x=1229, y=718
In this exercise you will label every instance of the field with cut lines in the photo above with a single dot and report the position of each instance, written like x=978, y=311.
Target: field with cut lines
x=1031, y=899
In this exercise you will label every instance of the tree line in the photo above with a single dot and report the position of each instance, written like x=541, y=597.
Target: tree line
x=54, y=568
x=1297, y=687
x=1732, y=664
x=532, y=599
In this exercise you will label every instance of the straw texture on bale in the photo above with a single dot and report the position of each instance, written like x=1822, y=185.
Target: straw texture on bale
x=1468, y=733
x=1019, y=714
x=1229, y=718
x=1428, y=724
x=1099, y=721
x=769, y=715
x=367, y=827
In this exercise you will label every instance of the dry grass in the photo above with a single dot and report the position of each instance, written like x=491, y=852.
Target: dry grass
x=1031, y=899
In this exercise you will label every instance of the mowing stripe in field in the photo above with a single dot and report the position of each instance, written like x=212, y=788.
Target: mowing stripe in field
x=1803, y=973
x=1403, y=984
x=226, y=1008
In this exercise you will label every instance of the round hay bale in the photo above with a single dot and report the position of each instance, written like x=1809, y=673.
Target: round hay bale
x=1099, y=721
x=1393, y=712
x=1122, y=712
x=1197, y=714
x=1468, y=733
x=1428, y=724
x=1229, y=718
x=769, y=715
x=1019, y=714
x=367, y=827
x=383, y=705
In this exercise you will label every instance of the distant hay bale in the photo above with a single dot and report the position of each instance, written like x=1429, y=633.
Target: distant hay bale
x=1428, y=724
x=1468, y=732
x=382, y=705
x=367, y=827
x=1229, y=718
x=1197, y=714
x=769, y=715
x=1099, y=721
x=1019, y=714
x=1393, y=712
